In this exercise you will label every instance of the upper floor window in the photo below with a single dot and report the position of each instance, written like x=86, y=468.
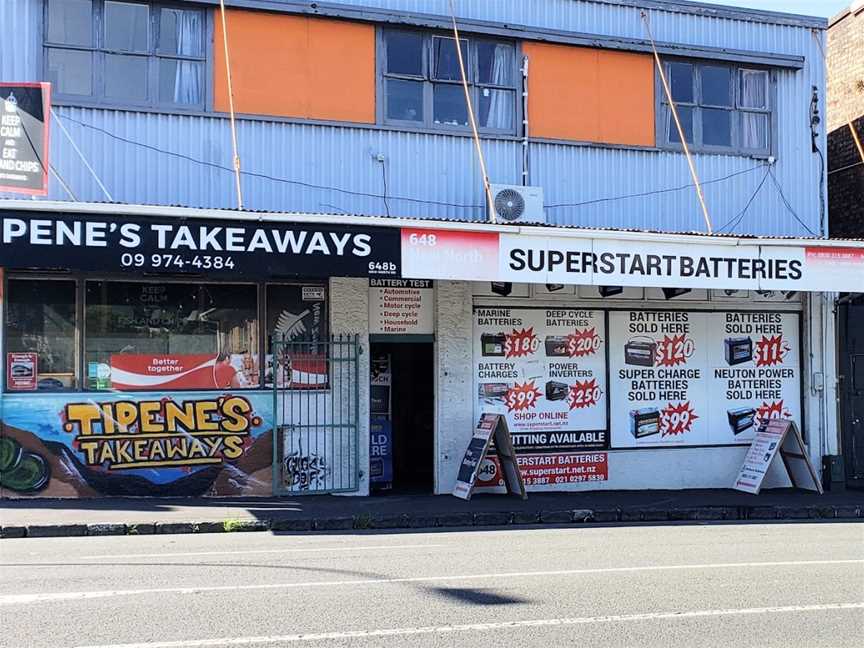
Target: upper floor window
x=722, y=108
x=120, y=52
x=422, y=82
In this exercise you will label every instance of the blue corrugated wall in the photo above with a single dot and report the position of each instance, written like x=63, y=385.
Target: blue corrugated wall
x=332, y=169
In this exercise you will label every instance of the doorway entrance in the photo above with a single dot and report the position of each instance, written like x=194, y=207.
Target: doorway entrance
x=851, y=329
x=403, y=407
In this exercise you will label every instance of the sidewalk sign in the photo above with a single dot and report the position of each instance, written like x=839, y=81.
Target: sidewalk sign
x=773, y=436
x=491, y=426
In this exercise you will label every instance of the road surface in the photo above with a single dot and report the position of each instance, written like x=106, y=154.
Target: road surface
x=783, y=585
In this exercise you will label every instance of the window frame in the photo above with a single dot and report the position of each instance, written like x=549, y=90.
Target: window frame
x=472, y=68
x=80, y=280
x=663, y=117
x=99, y=52
x=78, y=359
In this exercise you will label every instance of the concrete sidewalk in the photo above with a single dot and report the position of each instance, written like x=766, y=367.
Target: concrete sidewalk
x=118, y=516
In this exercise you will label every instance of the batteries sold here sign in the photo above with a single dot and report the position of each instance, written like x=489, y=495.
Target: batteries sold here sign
x=495, y=256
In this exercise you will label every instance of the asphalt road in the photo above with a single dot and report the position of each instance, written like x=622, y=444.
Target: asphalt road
x=783, y=585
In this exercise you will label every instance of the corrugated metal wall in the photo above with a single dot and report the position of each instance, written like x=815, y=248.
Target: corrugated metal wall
x=332, y=169
x=21, y=46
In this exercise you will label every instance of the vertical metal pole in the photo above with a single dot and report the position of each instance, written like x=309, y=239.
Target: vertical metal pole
x=526, y=176
x=356, y=374
x=277, y=427
x=231, y=106
x=699, y=194
x=486, y=186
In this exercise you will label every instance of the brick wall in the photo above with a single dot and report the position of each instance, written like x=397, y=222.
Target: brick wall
x=845, y=102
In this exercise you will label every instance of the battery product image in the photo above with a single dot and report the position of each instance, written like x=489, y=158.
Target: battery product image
x=502, y=288
x=741, y=419
x=672, y=293
x=610, y=291
x=493, y=391
x=492, y=344
x=738, y=350
x=556, y=391
x=556, y=346
x=640, y=351
x=644, y=422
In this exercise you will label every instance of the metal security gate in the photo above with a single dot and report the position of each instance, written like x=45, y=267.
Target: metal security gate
x=316, y=413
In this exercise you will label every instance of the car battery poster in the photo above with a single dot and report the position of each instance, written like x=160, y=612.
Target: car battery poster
x=544, y=369
x=682, y=378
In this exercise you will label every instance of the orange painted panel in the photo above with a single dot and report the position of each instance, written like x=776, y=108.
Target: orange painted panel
x=590, y=95
x=293, y=66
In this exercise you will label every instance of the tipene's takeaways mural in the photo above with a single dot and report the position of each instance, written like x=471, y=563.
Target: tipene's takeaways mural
x=545, y=370
x=698, y=378
x=181, y=444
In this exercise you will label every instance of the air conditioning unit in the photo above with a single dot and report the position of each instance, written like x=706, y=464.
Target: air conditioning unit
x=514, y=204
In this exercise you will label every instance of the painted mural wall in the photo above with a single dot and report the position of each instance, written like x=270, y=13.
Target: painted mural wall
x=185, y=444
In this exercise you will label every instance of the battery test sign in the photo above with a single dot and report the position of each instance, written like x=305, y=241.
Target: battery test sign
x=544, y=369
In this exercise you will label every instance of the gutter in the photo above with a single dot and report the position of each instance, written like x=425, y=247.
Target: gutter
x=111, y=209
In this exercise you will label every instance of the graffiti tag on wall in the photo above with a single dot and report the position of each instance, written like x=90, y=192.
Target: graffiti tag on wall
x=304, y=472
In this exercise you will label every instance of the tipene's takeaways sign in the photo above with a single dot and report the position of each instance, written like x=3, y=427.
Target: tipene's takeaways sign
x=249, y=248
x=742, y=265
x=24, y=117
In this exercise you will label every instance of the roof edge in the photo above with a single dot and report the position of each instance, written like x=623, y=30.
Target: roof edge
x=692, y=238
x=676, y=6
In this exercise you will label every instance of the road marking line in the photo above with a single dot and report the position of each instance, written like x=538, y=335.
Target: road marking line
x=263, y=551
x=18, y=599
x=483, y=627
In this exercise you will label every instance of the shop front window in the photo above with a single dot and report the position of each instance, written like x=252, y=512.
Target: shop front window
x=40, y=335
x=297, y=331
x=156, y=336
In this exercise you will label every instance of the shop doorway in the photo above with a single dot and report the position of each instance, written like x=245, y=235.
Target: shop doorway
x=402, y=452
x=851, y=329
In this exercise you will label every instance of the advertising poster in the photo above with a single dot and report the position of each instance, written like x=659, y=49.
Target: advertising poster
x=21, y=371
x=682, y=378
x=544, y=369
x=194, y=444
x=130, y=372
x=24, y=118
x=755, y=372
x=381, y=452
x=548, y=470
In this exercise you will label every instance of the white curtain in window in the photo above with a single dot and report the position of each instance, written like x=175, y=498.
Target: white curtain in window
x=754, y=94
x=187, y=81
x=500, y=114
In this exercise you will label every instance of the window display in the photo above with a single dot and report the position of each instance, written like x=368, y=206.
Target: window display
x=297, y=322
x=40, y=326
x=146, y=336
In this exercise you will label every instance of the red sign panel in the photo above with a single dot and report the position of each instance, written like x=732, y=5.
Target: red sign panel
x=549, y=469
x=188, y=371
x=21, y=370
